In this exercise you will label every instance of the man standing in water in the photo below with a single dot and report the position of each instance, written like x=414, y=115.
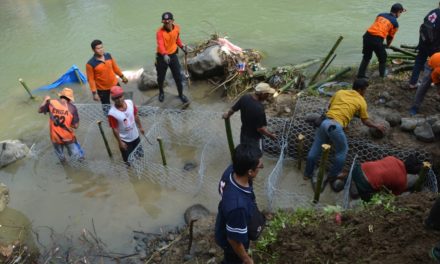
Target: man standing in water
x=101, y=72
x=124, y=121
x=168, y=40
x=384, y=27
x=63, y=119
x=253, y=117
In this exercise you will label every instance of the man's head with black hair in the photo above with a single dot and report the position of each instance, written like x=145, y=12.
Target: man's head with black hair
x=360, y=85
x=412, y=164
x=97, y=47
x=246, y=159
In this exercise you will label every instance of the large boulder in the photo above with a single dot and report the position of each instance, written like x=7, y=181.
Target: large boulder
x=12, y=150
x=436, y=128
x=195, y=212
x=424, y=132
x=410, y=123
x=208, y=63
x=148, y=80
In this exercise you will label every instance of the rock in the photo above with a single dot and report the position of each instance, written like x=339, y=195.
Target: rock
x=11, y=151
x=196, y=211
x=211, y=261
x=189, y=166
x=432, y=119
x=410, y=123
x=394, y=119
x=424, y=132
x=385, y=95
x=4, y=196
x=188, y=257
x=207, y=64
x=212, y=251
x=393, y=104
x=148, y=80
x=436, y=128
x=376, y=133
x=287, y=109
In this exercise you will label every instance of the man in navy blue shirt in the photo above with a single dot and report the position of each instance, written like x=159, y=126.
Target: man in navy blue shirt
x=238, y=204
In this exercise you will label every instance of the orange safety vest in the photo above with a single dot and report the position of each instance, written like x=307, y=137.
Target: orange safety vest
x=60, y=122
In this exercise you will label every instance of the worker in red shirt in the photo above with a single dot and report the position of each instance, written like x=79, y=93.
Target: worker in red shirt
x=388, y=173
x=168, y=40
x=384, y=27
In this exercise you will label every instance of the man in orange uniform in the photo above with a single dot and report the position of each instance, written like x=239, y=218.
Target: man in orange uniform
x=431, y=77
x=384, y=27
x=168, y=40
x=101, y=72
x=63, y=118
x=390, y=173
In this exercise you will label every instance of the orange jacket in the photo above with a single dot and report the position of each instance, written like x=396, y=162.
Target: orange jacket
x=384, y=26
x=101, y=75
x=167, y=42
x=434, y=63
x=60, y=123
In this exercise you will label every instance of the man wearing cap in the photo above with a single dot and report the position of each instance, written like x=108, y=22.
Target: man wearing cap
x=384, y=27
x=253, y=117
x=63, y=119
x=101, y=72
x=168, y=40
x=124, y=121
x=343, y=106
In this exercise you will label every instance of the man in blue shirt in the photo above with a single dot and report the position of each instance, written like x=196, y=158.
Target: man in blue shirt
x=236, y=209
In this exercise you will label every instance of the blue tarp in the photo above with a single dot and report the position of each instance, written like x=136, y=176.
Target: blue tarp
x=66, y=78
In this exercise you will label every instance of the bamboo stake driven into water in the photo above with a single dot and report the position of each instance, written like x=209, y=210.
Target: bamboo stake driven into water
x=104, y=138
x=327, y=58
x=26, y=88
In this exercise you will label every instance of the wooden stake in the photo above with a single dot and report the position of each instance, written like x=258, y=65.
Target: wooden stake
x=162, y=151
x=322, y=163
x=301, y=138
x=26, y=88
x=104, y=138
x=229, y=136
x=422, y=176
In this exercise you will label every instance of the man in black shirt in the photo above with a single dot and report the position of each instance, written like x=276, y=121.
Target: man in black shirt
x=253, y=117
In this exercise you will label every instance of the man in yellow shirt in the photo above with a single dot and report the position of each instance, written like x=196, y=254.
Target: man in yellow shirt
x=343, y=106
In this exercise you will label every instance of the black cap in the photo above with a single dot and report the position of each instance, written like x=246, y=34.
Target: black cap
x=167, y=15
x=397, y=7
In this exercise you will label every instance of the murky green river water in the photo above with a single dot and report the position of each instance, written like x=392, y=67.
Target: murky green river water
x=40, y=39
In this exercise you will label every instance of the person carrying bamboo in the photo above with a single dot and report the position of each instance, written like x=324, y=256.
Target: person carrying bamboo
x=63, y=119
x=253, y=116
x=343, y=106
x=384, y=27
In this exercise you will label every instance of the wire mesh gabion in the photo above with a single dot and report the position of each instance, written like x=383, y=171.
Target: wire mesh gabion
x=202, y=135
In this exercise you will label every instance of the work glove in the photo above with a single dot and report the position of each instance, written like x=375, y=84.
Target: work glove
x=166, y=58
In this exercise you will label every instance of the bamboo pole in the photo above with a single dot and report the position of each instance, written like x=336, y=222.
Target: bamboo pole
x=229, y=136
x=322, y=163
x=162, y=151
x=26, y=88
x=328, y=64
x=267, y=73
x=300, y=147
x=402, y=51
x=338, y=41
x=422, y=176
x=330, y=78
x=104, y=138
x=406, y=46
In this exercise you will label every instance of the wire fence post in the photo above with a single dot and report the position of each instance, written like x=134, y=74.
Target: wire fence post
x=422, y=176
x=322, y=163
x=162, y=151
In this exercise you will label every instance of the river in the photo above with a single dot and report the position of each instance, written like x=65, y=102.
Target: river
x=41, y=39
